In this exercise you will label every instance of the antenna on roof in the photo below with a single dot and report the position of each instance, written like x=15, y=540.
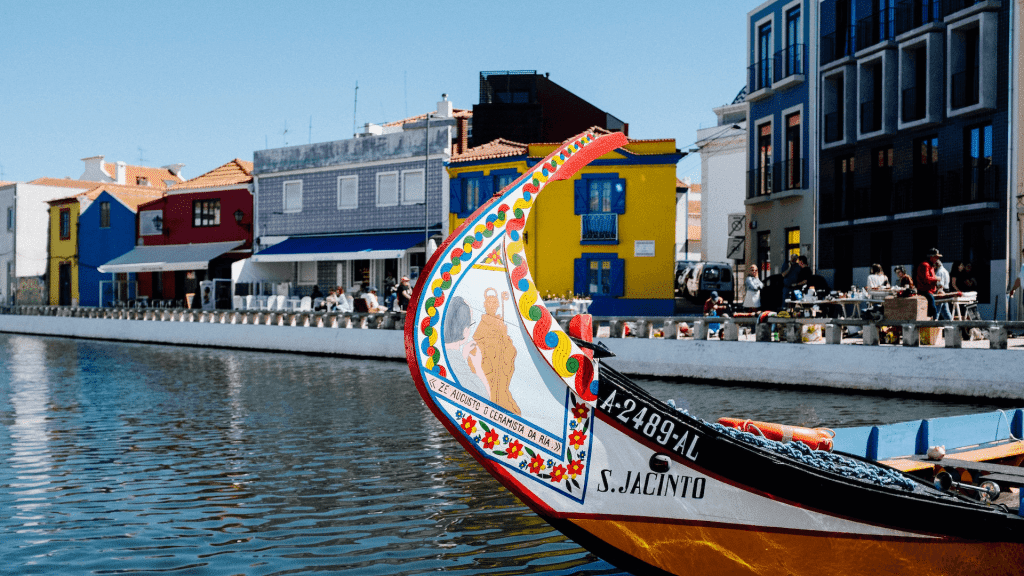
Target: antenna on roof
x=284, y=133
x=142, y=156
x=355, y=106
x=310, y=128
x=405, y=80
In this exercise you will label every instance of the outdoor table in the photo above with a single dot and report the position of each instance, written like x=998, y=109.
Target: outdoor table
x=959, y=304
x=856, y=304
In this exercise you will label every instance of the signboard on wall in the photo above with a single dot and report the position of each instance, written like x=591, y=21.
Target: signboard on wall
x=643, y=248
x=151, y=222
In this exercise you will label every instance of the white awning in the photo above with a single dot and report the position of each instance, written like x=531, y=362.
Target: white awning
x=168, y=258
x=246, y=271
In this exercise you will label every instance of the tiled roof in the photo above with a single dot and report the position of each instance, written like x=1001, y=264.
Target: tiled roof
x=5, y=183
x=456, y=113
x=155, y=176
x=499, y=148
x=234, y=172
x=64, y=182
x=131, y=196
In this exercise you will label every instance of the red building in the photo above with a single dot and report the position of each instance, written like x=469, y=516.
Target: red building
x=192, y=236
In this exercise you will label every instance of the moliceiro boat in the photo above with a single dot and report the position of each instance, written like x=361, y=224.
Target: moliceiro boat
x=646, y=487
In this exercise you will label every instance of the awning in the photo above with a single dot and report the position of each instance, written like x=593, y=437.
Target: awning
x=327, y=248
x=168, y=258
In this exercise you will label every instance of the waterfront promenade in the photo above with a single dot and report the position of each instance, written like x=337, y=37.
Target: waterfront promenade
x=984, y=369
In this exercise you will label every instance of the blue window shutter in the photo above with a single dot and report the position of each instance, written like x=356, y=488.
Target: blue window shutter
x=618, y=277
x=619, y=196
x=455, y=190
x=579, y=279
x=581, y=202
x=486, y=191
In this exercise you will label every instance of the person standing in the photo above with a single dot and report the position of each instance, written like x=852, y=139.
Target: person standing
x=1020, y=276
x=404, y=293
x=943, y=312
x=752, y=297
x=927, y=282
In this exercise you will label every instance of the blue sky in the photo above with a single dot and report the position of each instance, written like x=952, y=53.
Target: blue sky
x=201, y=83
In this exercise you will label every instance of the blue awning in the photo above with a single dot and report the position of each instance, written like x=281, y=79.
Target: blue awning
x=326, y=248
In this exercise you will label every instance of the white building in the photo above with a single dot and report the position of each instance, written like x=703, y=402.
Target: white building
x=723, y=177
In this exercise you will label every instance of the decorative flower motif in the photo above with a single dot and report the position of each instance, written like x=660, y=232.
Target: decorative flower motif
x=490, y=439
x=577, y=439
x=505, y=439
x=459, y=414
x=468, y=425
x=582, y=455
x=550, y=463
x=558, y=473
x=579, y=410
x=515, y=448
x=536, y=464
x=575, y=468
x=522, y=465
x=573, y=424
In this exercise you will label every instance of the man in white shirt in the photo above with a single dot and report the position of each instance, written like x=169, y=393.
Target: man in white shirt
x=372, y=305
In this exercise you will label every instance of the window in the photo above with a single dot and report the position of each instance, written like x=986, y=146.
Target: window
x=471, y=196
x=881, y=182
x=307, y=272
x=503, y=179
x=764, y=254
x=764, y=56
x=763, y=170
x=598, y=274
x=10, y=218
x=792, y=242
x=845, y=200
x=387, y=189
x=292, y=201
x=792, y=170
x=834, y=100
x=65, y=223
x=104, y=214
x=599, y=199
x=205, y=213
x=926, y=173
x=412, y=187
x=792, y=60
x=966, y=88
x=348, y=192
x=979, y=175
x=914, y=96
x=468, y=192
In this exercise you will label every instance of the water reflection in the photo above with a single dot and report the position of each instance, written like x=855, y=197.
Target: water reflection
x=137, y=458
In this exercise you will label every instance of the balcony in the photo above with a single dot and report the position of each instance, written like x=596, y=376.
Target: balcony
x=837, y=45
x=870, y=116
x=790, y=66
x=599, y=228
x=954, y=10
x=791, y=173
x=878, y=27
x=973, y=185
x=966, y=88
x=761, y=182
x=833, y=127
x=913, y=104
x=911, y=14
x=759, y=80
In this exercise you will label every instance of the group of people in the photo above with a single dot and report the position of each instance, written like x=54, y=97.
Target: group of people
x=337, y=299
x=930, y=279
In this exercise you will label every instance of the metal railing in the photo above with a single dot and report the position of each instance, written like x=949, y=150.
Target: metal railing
x=913, y=104
x=759, y=75
x=838, y=44
x=792, y=174
x=761, y=182
x=870, y=116
x=834, y=126
x=966, y=88
x=601, y=226
x=911, y=14
x=875, y=28
x=790, y=62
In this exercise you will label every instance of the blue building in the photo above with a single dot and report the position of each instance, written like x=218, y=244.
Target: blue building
x=782, y=132
x=351, y=212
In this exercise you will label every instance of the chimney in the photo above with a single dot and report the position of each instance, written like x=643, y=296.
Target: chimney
x=372, y=129
x=463, y=136
x=444, y=107
x=122, y=172
x=94, y=171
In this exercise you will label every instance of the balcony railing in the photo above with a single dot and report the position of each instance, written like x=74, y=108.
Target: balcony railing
x=913, y=13
x=879, y=26
x=833, y=127
x=790, y=62
x=972, y=185
x=837, y=44
x=951, y=6
x=966, y=88
x=599, y=227
x=913, y=104
x=791, y=174
x=761, y=182
x=870, y=116
x=760, y=75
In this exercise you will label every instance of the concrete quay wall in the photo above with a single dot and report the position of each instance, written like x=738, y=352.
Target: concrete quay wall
x=983, y=373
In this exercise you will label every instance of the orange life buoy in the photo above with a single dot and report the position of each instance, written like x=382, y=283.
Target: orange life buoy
x=815, y=438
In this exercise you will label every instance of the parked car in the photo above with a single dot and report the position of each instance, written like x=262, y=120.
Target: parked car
x=707, y=277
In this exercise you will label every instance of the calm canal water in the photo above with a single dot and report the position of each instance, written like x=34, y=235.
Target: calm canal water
x=123, y=458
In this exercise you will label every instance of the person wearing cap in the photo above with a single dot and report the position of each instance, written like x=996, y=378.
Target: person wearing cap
x=404, y=293
x=927, y=281
x=372, y=304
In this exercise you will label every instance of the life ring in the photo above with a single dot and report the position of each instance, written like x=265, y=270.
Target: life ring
x=815, y=438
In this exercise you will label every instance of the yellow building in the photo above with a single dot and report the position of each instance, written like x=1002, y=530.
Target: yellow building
x=608, y=234
x=63, y=269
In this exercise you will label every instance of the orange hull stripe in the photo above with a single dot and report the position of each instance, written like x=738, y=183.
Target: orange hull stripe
x=683, y=549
